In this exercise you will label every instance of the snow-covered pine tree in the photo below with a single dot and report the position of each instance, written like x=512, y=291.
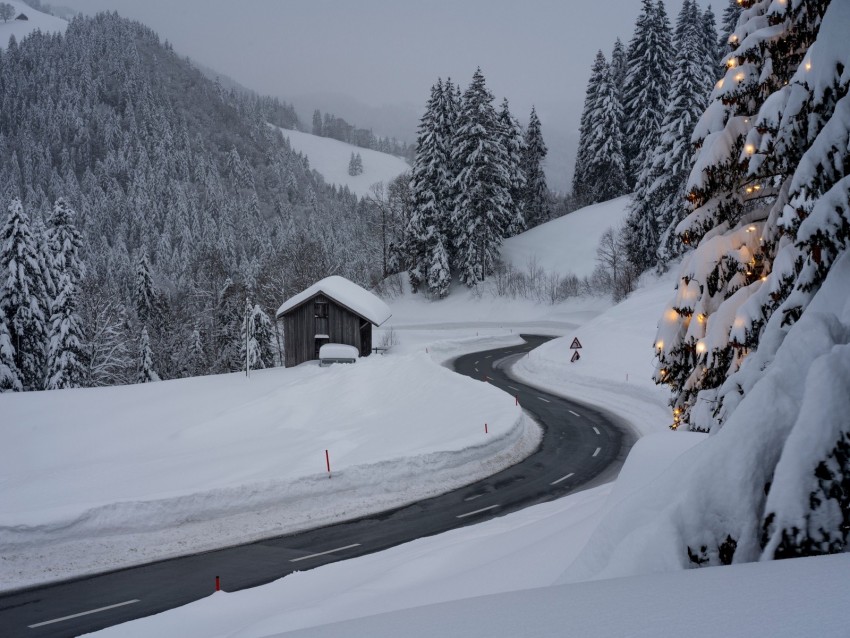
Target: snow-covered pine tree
x=604, y=171
x=23, y=299
x=352, y=165
x=65, y=242
x=581, y=185
x=619, y=69
x=196, y=361
x=726, y=39
x=536, y=190
x=513, y=141
x=65, y=353
x=317, y=122
x=426, y=240
x=483, y=184
x=145, y=291
x=645, y=90
x=259, y=338
x=145, y=369
x=10, y=376
x=760, y=252
x=658, y=204
x=712, y=57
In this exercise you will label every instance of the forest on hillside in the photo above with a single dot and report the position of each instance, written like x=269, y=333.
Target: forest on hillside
x=186, y=211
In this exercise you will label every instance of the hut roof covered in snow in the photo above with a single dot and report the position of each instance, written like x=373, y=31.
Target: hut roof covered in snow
x=346, y=293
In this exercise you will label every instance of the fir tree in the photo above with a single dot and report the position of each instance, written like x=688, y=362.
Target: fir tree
x=426, y=234
x=604, y=171
x=256, y=338
x=581, y=184
x=646, y=85
x=482, y=208
x=10, y=376
x=513, y=141
x=536, y=192
x=145, y=369
x=65, y=354
x=658, y=204
x=759, y=123
x=317, y=123
x=727, y=40
x=196, y=361
x=145, y=292
x=712, y=58
x=23, y=299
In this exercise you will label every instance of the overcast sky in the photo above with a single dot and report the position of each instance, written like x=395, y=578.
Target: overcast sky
x=389, y=52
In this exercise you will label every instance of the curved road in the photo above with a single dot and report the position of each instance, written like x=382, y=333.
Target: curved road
x=581, y=447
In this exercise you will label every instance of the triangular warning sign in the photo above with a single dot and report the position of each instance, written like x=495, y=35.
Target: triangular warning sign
x=576, y=357
x=576, y=344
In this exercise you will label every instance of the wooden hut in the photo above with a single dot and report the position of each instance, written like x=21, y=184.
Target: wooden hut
x=333, y=310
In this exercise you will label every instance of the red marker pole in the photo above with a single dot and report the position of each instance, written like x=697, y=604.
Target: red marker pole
x=485, y=428
x=517, y=399
x=328, y=462
x=217, y=583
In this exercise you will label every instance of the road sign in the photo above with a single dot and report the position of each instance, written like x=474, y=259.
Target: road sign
x=576, y=344
x=576, y=357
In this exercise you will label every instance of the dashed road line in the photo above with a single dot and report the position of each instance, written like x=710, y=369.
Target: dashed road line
x=546, y=400
x=513, y=388
x=595, y=429
x=598, y=450
x=563, y=478
x=476, y=369
x=83, y=613
x=330, y=551
x=574, y=413
x=483, y=509
x=472, y=498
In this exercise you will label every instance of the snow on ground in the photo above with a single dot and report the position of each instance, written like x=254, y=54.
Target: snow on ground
x=519, y=551
x=93, y=479
x=22, y=28
x=567, y=244
x=330, y=157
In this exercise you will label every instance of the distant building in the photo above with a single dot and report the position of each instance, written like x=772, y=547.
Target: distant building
x=333, y=310
x=22, y=16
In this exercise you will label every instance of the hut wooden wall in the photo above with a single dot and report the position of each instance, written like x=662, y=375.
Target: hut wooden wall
x=343, y=326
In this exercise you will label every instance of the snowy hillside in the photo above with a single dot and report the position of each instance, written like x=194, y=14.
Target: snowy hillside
x=22, y=28
x=567, y=244
x=201, y=462
x=330, y=158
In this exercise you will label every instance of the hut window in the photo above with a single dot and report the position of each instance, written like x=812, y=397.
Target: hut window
x=321, y=313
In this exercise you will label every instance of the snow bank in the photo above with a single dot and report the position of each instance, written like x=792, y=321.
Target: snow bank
x=616, y=365
x=567, y=244
x=22, y=28
x=716, y=490
x=182, y=466
x=330, y=157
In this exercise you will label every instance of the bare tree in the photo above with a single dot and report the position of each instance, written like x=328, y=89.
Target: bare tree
x=7, y=11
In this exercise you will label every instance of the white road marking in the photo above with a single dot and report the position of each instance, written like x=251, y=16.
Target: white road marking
x=563, y=478
x=513, y=388
x=598, y=450
x=83, y=613
x=483, y=509
x=546, y=400
x=476, y=363
x=574, y=413
x=476, y=369
x=330, y=551
x=472, y=498
x=489, y=356
x=596, y=430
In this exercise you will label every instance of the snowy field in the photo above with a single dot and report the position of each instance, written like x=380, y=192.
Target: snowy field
x=99, y=478
x=330, y=157
x=22, y=28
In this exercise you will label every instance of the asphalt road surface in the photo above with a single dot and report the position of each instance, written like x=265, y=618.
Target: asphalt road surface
x=581, y=447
